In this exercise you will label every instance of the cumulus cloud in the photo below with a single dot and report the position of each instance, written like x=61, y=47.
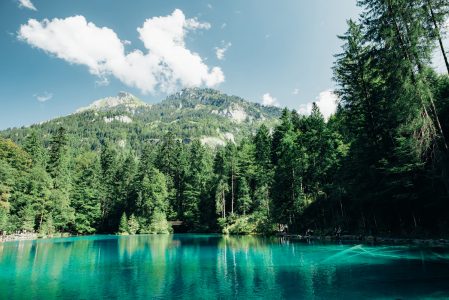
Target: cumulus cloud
x=295, y=91
x=43, y=97
x=165, y=65
x=269, y=100
x=27, y=4
x=326, y=102
x=220, y=52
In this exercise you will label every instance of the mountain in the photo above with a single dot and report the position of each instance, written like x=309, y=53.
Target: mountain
x=122, y=100
x=207, y=114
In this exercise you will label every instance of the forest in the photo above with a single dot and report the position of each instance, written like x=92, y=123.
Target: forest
x=378, y=166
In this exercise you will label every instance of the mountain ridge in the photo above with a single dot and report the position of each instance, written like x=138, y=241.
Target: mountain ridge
x=122, y=99
x=209, y=115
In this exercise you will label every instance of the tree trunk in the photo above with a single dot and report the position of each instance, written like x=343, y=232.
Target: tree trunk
x=341, y=208
x=417, y=62
x=232, y=191
x=224, y=203
x=437, y=30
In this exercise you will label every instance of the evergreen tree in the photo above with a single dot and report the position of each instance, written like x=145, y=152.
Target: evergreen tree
x=123, y=226
x=133, y=225
x=152, y=196
x=58, y=168
x=34, y=146
x=158, y=223
x=244, y=199
x=86, y=194
x=436, y=13
x=171, y=160
x=108, y=164
x=47, y=228
x=196, y=184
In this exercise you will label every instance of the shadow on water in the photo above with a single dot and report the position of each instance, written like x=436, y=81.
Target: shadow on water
x=211, y=266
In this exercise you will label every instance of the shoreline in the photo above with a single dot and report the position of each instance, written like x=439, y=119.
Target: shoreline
x=29, y=236
x=369, y=239
x=19, y=237
x=375, y=240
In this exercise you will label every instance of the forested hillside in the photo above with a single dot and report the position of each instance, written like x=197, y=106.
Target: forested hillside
x=209, y=115
x=380, y=165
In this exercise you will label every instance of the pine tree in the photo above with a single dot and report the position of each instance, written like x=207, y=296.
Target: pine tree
x=58, y=168
x=86, y=194
x=171, y=160
x=152, y=196
x=108, y=164
x=231, y=168
x=123, y=226
x=196, y=183
x=244, y=199
x=34, y=146
x=436, y=13
x=27, y=216
x=158, y=223
x=133, y=225
x=287, y=185
x=47, y=227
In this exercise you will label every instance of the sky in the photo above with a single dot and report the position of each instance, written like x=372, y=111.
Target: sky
x=57, y=56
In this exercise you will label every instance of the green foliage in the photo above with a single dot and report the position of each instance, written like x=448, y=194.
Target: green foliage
x=243, y=196
x=369, y=168
x=47, y=227
x=190, y=114
x=27, y=217
x=240, y=225
x=4, y=218
x=158, y=223
x=86, y=194
x=133, y=224
x=123, y=226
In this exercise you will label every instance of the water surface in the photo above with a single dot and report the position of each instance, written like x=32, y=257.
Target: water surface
x=215, y=266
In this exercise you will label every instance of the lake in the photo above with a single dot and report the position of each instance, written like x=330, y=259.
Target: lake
x=188, y=266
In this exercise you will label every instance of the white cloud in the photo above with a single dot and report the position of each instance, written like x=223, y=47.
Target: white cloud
x=43, y=97
x=27, y=4
x=166, y=65
x=223, y=25
x=209, y=5
x=220, y=52
x=269, y=100
x=295, y=91
x=102, y=81
x=326, y=102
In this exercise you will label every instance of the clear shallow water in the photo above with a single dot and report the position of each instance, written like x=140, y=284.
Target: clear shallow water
x=214, y=266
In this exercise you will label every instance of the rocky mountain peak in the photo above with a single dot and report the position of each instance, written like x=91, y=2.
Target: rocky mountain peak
x=123, y=99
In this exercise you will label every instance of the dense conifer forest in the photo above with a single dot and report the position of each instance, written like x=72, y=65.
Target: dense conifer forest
x=379, y=165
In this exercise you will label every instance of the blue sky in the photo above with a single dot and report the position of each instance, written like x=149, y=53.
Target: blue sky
x=280, y=52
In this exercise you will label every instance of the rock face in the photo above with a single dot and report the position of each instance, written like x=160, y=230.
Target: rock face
x=215, y=102
x=124, y=119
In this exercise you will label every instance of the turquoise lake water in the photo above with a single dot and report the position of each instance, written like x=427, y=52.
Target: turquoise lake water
x=217, y=267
